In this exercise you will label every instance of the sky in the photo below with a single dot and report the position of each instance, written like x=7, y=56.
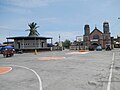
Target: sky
x=54, y=17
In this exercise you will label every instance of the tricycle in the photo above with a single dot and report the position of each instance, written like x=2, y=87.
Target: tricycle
x=8, y=51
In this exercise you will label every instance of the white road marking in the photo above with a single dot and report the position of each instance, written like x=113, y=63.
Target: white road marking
x=77, y=53
x=40, y=82
x=111, y=70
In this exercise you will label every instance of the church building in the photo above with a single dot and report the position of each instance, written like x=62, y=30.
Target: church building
x=97, y=37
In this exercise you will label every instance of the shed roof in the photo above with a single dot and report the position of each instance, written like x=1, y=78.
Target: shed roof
x=28, y=37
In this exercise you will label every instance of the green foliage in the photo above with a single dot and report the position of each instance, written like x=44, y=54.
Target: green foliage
x=66, y=43
x=32, y=29
x=57, y=43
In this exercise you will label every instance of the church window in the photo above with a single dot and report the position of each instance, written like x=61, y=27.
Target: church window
x=96, y=37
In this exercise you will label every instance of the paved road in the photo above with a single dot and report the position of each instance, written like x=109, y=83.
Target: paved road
x=77, y=71
x=115, y=85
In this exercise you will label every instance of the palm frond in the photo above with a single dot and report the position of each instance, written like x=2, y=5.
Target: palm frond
x=27, y=30
x=32, y=29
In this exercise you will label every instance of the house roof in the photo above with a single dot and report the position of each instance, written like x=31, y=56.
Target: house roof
x=28, y=37
x=96, y=30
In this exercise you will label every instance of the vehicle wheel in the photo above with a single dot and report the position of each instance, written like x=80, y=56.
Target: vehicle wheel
x=11, y=55
x=4, y=55
x=7, y=55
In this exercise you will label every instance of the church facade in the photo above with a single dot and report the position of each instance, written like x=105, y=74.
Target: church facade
x=97, y=37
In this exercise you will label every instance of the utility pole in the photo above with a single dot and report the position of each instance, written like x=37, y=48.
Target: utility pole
x=59, y=38
x=60, y=46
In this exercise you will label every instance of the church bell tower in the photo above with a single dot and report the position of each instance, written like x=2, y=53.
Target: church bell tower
x=106, y=27
x=86, y=30
x=86, y=36
x=106, y=35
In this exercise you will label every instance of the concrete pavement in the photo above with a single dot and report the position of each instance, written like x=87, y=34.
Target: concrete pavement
x=77, y=71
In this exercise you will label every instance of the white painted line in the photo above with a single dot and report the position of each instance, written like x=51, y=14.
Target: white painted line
x=77, y=53
x=7, y=71
x=40, y=82
x=111, y=70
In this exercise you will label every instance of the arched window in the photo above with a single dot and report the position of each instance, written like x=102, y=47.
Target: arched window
x=96, y=37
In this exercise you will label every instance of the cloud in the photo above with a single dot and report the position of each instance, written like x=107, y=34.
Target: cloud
x=64, y=35
x=4, y=27
x=51, y=20
x=24, y=6
x=8, y=28
x=27, y=3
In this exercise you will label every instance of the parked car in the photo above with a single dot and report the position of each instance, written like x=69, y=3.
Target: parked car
x=98, y=48
x=8, y=51
x=91, y=48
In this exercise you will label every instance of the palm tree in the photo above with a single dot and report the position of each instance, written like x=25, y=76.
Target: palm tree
x=33, y=31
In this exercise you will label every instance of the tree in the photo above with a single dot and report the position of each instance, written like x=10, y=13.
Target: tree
x=33, y=29
x=56, y=43
x=66, y=43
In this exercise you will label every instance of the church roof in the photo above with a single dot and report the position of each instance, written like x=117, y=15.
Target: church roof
x=96, y=30
x=105, y=22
